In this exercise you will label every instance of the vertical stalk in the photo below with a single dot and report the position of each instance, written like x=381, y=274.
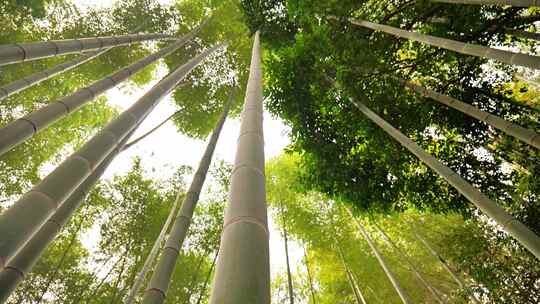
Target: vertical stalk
x=243, y=266
x=356, y=290
x=407, y=260
x=289, y=276
x=402, y=294
x=159, y=283
x=203, y=290
x=515, y=228
x=19, y=222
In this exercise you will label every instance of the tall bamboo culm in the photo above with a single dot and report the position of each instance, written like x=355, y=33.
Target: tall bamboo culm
x=36, y=78
x=456, y=46
x=139, y=280
x=20, y=221
x=515, y=228
x=400, y=291
x=528, y=136
x=405, y=257
x=159, y=283
x=243, y=267
x=350, y=278
x=19, y=52
x=23, y=128
x=23, y=261
x=518, y=3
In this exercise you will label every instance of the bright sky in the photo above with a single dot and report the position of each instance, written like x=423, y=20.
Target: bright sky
x=166, y=149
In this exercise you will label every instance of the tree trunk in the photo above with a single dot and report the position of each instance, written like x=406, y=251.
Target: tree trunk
x=402, y=294
x=517, y=3
x=356, y=290
x=311, y=288
x=20, y=221
x=36, y=78
x=456, y=46
x=151, y=256
x=243, y=266
x=445, y=265
x=405, y=257
x=528, y=136
x=523, y=34
x=24, y=128
x=19, y=52
x=159, y=283
x=516, y=229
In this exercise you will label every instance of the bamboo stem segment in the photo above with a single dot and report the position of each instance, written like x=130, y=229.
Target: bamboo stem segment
x=19, y=52
x=36, y=78
x=456, y=46
x=243, y=267
x=515, y=228
x=21, y=129
x=159, y=283
x=528, y=136
x=19, y=222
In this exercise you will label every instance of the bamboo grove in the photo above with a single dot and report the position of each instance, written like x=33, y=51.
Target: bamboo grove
x=389, y=196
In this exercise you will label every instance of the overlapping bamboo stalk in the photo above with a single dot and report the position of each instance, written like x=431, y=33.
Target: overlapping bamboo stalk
x=456, y=46
x=528, y=136
x=36, y=78
x=19, y=52
x=513, y=227
x=400, y=291
x=21, y=264
x=159, y=283
x=25, y=127
x=20, y=221
x=151, y=256
x=243, y=267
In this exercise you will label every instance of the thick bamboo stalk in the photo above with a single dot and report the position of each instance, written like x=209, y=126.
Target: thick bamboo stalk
x=21, y=264
x=523, y=34
x=405, y=257
x=151, y=256
x=23, y=128
x=243, y=267
x=36, y=78
x=402, y=294
x=159, y=283
x=456, y=46
x=19, y=52
x=515, y=228
x=517, y=3
x=19, y=222
x=528, y=136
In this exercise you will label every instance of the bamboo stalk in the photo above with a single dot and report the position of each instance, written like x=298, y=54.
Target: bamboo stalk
x=400, y=291
x=151, y=256
x=25, y=127
x=528, y=136
x=243, y=267
x=159, y=283
x=36, y=78
x=515, y=228
x=19, y=52
x=523, y=34
x=456, y=46
x=19, y=222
